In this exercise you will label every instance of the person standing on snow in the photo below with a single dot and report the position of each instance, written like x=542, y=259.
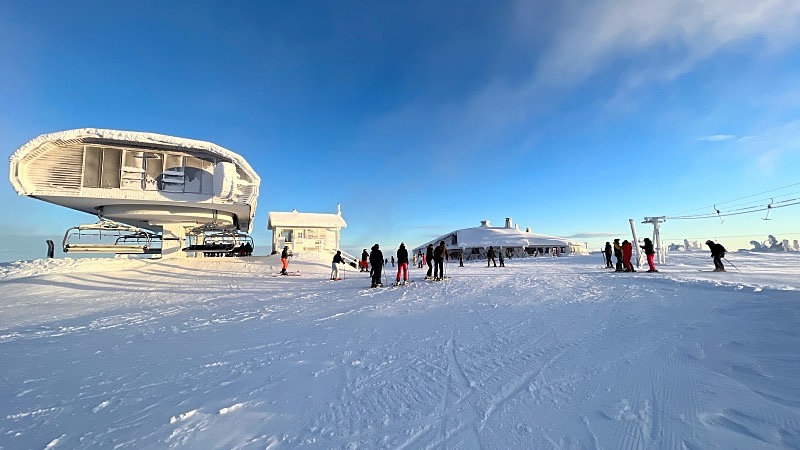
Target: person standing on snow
x=502, y=257
x=651, y=254
x=402, y=263
x=429, y=260
x=337, y=259
x=627, y=253
x=438, y=261
x=376, y=259
x=607, y=252
x=364, y=258
x=717, y=252
x=490, y=257
x=618, y=255
x=285, y=254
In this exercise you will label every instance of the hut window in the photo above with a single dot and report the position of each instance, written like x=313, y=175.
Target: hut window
x=111, y=166
x=92, y=160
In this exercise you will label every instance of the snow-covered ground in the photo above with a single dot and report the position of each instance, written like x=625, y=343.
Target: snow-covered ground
x=544, y=353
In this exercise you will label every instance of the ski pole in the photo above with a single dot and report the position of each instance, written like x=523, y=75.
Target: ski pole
x=726, y=260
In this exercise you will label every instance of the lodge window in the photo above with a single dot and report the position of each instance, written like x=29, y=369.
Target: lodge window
x=111, y=168
x=101, y=167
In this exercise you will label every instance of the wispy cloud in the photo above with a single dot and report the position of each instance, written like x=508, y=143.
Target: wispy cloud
x=716, y=137
x=677, y=34
x=771, y=148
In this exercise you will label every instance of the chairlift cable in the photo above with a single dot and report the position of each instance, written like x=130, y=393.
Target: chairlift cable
x=740, y=198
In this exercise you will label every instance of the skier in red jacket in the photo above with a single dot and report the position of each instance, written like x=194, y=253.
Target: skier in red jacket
x=627, y=252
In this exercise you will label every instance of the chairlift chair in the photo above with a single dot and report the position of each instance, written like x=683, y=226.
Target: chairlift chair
x=107, y=236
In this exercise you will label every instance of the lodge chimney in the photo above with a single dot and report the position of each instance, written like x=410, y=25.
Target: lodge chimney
x=508, y=222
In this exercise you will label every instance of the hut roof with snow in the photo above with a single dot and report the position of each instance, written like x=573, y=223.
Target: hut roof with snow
x=486, y=235
x=304, y=220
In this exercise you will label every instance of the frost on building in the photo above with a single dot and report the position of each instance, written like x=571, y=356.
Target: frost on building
x=306, y=232
x=474, y=242
x=149, y=184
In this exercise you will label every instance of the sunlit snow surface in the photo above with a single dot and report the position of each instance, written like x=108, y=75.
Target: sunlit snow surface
x=544, y=353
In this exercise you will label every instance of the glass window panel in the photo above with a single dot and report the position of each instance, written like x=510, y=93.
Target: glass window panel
x=207, y=178
x=92, y=156
x=109, y=176
x=191, y=171
x=153, y=166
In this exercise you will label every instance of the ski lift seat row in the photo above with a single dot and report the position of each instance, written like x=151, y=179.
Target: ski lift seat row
x=107, y=236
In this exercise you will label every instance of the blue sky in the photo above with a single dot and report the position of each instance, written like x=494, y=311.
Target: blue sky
x=424, y=117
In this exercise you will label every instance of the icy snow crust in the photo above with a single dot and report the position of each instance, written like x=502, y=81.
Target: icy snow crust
x=544, y=353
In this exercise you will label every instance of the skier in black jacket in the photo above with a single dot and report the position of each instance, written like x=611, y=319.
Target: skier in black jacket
x=717, y=252
x=439, y=254
x=285, y=254
x=618, y=255
x=607, y=251
x=337, y=259
x=364, y=258
x=651, y=254
x=376, y=259
x=429, y=260
x=402, y=263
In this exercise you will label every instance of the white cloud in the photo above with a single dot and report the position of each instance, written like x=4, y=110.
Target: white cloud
x=682, y=31
x=716, y=137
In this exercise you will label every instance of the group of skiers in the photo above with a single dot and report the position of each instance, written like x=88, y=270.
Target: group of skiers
x=435, y=257
x=490, y=254
x=623, y=253
x=374, y=262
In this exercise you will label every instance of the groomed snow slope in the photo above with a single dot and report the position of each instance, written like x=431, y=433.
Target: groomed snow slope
x=544, y=353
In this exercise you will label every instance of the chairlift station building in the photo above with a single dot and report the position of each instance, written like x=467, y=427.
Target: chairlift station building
x=162, y=183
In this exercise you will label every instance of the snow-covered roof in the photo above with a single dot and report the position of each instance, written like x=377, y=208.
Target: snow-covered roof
x=298, y=219
x=505, y=237
x=485, y=236
x=153, y=140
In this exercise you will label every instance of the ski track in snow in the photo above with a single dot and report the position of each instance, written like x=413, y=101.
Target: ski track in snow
x=544, y=353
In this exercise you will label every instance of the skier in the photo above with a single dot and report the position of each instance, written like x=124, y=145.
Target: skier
x=502, y=257
x=490, y=257
x=461, y=259
x=627, y=252
x=717, y=252
x=402, y=263
x=337, y=259
x=651, y=254
x=607, y=253
x=429, y=260
x=392, y=260
x=376, y=259
x=618, y=255
x=285, y=254
x=364, y=258
x=438, y=261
